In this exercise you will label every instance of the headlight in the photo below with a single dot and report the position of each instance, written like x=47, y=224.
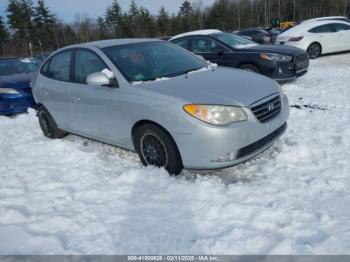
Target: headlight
x=276, y=57
x=8, y=91
x=216, y=115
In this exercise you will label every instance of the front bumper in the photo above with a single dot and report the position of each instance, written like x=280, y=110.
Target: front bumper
x=292, y=70
x=15, y=104
x=208, y=143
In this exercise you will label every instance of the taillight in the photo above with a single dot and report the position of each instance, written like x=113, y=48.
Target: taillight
x=296, y=39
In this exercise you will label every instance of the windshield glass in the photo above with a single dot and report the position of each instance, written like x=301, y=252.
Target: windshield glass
x=15, y=66
x=234, y=41
x=152, y=60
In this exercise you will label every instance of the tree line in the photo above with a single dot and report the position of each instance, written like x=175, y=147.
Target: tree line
x=33, y=28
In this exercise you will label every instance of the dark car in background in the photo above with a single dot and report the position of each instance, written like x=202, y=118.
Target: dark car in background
x=281, y=63
x=15, y=91
x=259, y=36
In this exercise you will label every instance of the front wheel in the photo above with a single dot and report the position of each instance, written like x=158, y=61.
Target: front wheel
x=48, y=124
x=157, y=148
x=314, y=50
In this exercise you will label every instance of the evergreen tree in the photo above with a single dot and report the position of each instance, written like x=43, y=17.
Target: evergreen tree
x=44, y=23
x=186, y=15
x=134, y=18
x=163, y=21
x=4, y=36
x=221, y=16
x=20, y=13
x=114, y=18
x=101, y=28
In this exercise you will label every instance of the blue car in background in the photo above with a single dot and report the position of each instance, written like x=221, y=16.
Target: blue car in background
x=15, y=91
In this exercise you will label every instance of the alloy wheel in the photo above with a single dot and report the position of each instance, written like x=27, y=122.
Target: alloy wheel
x=153, y=150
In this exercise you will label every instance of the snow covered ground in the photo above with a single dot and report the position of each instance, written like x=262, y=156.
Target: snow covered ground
x=75, y=196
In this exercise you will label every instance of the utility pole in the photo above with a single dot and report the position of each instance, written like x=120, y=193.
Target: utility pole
x=294, y=10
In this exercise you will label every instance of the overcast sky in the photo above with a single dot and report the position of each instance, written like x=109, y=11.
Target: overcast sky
x=67, y=9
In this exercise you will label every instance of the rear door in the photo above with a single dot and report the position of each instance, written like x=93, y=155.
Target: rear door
x=53, y=87
x=327, y=36
x=343, y=36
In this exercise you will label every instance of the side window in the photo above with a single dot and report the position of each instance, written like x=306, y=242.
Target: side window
x=86, y=63
x=59, y=68
x=182, y=43
x=45, y=68
x=206, y=45
x=341, y=27
x=329, y=28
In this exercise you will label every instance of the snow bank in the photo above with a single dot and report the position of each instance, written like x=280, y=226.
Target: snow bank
x=77, y=196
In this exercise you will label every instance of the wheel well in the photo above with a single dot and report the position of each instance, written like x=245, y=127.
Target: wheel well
x=140, y=123
x=250, y=63
x=315, y=43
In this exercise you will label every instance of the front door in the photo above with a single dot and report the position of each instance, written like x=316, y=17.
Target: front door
x=211, y=51
x=93, y=110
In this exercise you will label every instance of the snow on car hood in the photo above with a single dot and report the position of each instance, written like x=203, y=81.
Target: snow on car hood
x=223, y=86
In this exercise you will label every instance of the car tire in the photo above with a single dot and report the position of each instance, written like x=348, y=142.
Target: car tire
x=48, y=124
x=314, y=50
x=156, y=147
x=250, y=68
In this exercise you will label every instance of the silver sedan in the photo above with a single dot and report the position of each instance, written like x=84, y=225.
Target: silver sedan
x=172, y=107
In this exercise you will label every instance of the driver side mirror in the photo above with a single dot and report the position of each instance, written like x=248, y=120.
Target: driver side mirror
x=100, y=79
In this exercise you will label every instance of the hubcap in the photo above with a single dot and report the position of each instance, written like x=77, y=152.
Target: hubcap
x=314, y=51
x=153, y=150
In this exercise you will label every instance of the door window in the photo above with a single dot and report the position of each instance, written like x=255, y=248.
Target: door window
x=59, y=67
x=182, y=42
x=329, y=28
x=86, y=63
x=341, y=27
x=206, y=45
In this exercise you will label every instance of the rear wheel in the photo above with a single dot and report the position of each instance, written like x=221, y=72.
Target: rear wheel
x=157, y=148
x=48, y=124
x=250, y=68
x=314, y=50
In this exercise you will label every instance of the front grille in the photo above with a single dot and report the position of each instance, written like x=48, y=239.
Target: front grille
x=262, y=142
x=267, y=110
x=301, y=61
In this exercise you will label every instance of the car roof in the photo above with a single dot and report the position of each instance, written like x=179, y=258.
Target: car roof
x=8, y=58
x=303, y=27
x=113, y=42
x=197, y=32
x=325, y=18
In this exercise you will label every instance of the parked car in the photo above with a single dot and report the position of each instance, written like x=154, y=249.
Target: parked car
x=160, y=100
x=15, y=92
x=328, y=18
x=230, y=50
x=259, y=36
x=318, y=37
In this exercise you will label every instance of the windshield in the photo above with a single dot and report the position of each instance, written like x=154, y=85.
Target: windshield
x=152, y=60
x=15, y=66
x=233, y=40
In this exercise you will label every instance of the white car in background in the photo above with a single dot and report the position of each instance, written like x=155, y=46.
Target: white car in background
x=318, y=37
x=327, y=18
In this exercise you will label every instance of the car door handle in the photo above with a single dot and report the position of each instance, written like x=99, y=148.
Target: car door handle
x=76, y=99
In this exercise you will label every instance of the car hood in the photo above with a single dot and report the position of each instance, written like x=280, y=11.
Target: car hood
x=283, y=50
x=18, y=81
x=224, y=86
